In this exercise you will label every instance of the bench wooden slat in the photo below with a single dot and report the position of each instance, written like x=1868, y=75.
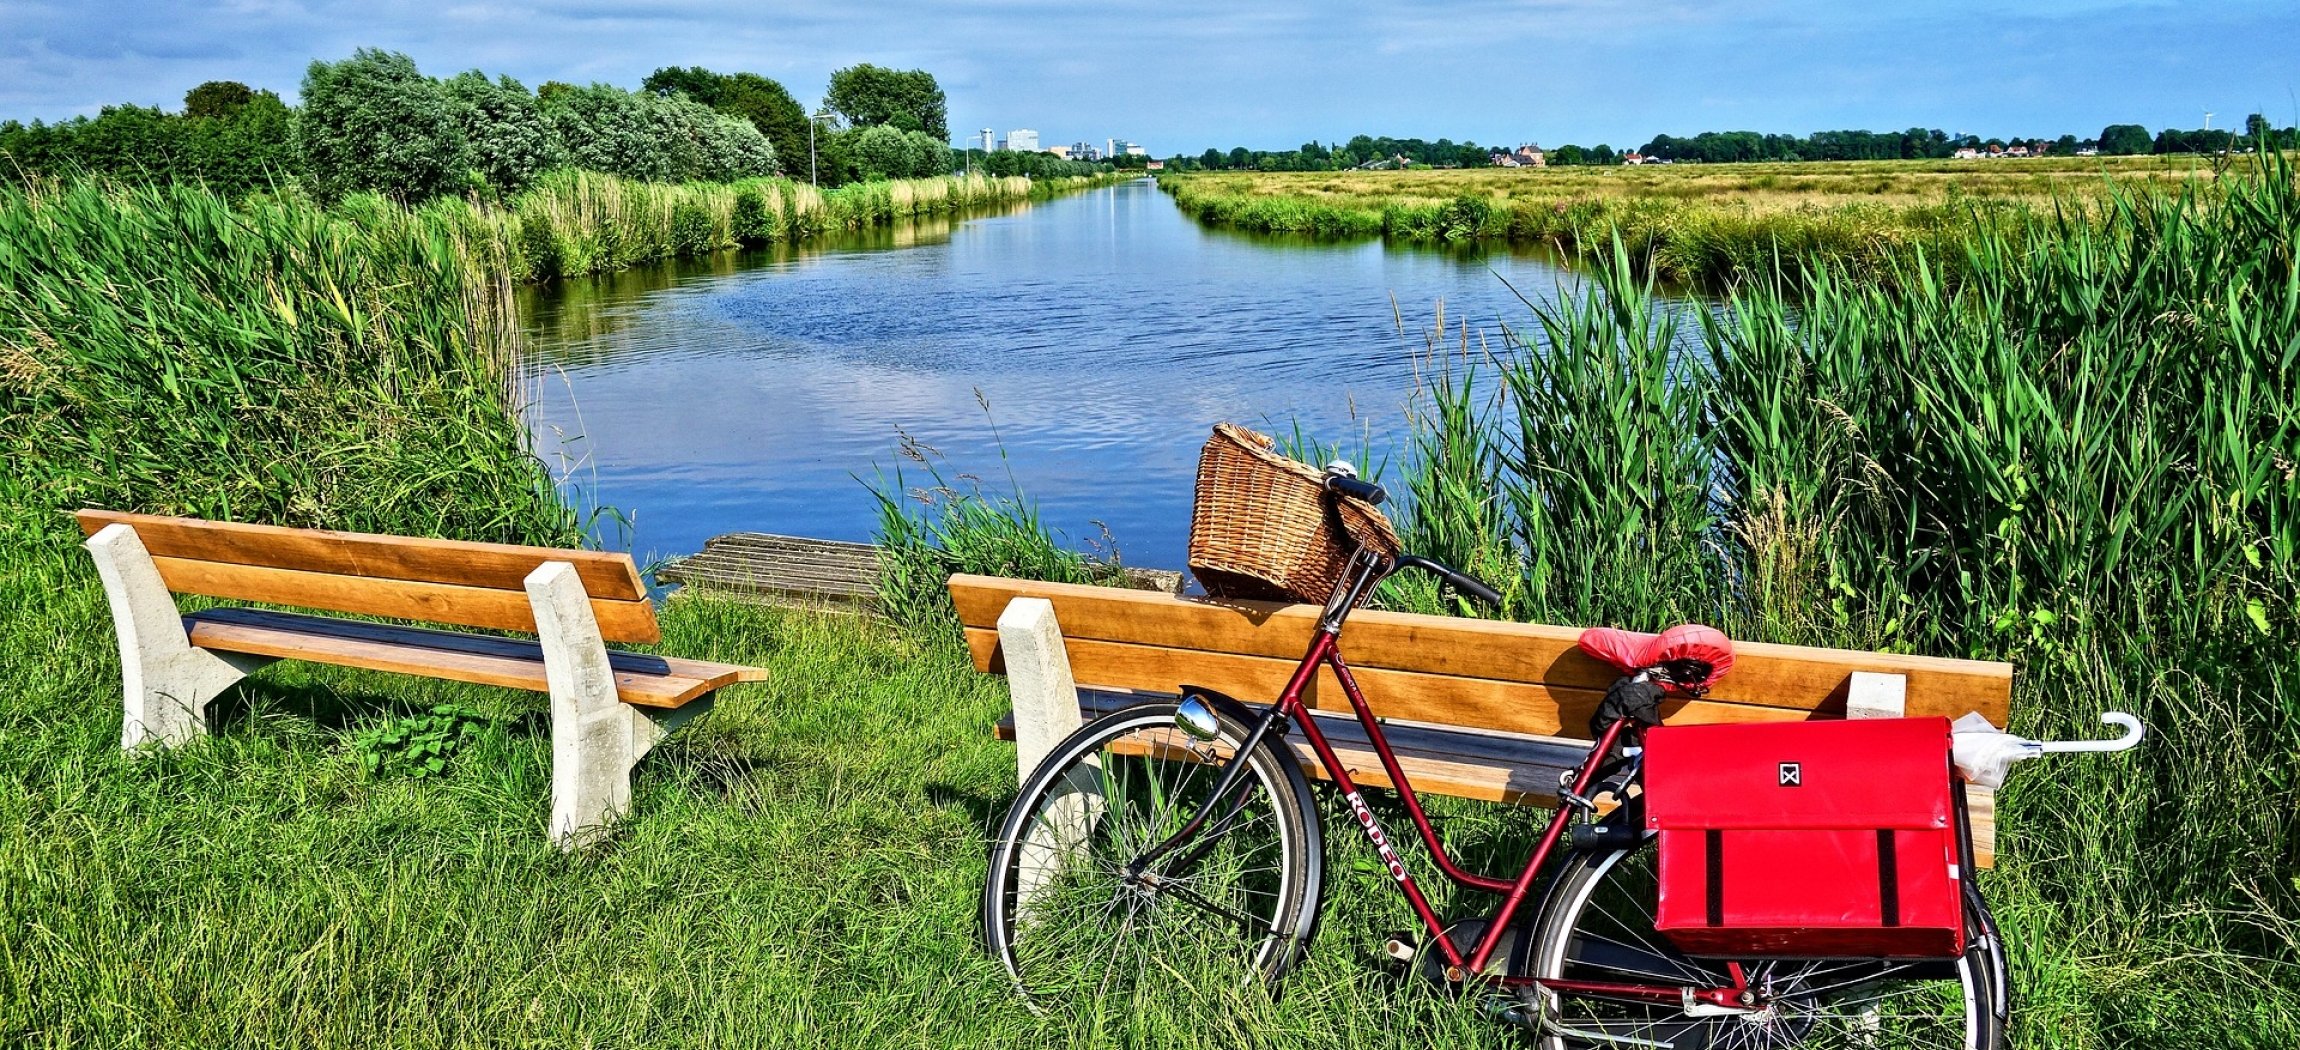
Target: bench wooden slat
x=1531, y=708
x=1780, y=678
x=640, y=678
x=499, y=566
x=619, y=621
x=1487, y=767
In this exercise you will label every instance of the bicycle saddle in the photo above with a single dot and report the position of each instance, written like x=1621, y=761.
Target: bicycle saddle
x=1689, y=657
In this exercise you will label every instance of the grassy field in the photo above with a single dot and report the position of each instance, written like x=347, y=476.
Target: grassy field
x=2081, y=459
x=1688, y=222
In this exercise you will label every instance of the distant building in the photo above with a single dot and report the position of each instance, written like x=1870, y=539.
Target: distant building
x=2087, y=151
x=1022, y=140
x=1135, y=150
x=1085, y=151
x=1059, y=151
x=1635, y=158
x=1156, y=165
x=1529, y=156
x=988, y=144
x=1120, y=148
x=1967, y=153
x=1503, y=159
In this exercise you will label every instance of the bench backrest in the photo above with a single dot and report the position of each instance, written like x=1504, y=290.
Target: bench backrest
x=436, y=581
x=1480, y=674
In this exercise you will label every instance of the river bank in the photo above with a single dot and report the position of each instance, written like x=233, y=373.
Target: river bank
x=1703, y=224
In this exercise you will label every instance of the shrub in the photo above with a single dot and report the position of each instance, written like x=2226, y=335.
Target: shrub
x=881, y=152
x=373, y=122
x=754, y=217
x=726, y=148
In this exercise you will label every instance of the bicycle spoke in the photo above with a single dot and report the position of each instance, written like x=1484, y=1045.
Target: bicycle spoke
x=1074, y=921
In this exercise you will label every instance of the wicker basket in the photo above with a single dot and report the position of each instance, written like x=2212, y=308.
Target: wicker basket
x=1259, y=529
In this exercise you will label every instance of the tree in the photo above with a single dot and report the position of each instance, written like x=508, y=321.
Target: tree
x=252, y=149
x=762, y=101
x=2124, y=139
x=908, y=100
x=2257, y=130
x=725, y=147
x=605, y=128
x=1239, y=158
x=373, y=122
x=1210, y=159
x=510, y=142
x=218, y=98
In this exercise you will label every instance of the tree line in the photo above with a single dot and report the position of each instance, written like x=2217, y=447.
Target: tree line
x=1724, y=147
x=374, y=122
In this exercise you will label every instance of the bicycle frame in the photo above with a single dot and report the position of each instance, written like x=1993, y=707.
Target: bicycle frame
x=1325, y=652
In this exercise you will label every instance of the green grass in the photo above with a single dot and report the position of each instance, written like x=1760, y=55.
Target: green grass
x=801, y=868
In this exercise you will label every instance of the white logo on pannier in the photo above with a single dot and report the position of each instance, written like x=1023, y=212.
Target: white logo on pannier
x=1792, y=775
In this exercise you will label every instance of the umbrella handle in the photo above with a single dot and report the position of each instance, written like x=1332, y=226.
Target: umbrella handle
x=2133, y=731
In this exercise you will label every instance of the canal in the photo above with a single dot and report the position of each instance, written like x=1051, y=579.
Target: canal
x=1078, y=349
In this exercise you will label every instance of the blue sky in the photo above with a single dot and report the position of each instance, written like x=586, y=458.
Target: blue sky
x=1185, y=74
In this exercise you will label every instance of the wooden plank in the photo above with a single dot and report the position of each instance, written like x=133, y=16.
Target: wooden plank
x=1981, y=813
x=1529, y=708
x=640, y=678
x=498, y=566
x=1486, y=767
x=619, y=621
x=1778, y=676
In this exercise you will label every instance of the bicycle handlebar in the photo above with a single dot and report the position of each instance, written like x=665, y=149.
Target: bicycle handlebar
x=1355, y=489
x=1462, y=581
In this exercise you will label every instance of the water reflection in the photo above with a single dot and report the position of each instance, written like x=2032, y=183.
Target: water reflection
x=1106, y=332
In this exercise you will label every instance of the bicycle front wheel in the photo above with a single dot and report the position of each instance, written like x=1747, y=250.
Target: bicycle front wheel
x=1065, y=908
x=1598, y=927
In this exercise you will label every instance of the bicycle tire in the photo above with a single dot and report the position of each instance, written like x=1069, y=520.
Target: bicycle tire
x=1065, y=808
x=1624, y=875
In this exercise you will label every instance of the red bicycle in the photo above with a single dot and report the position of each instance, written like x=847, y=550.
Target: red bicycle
x=1166, y=842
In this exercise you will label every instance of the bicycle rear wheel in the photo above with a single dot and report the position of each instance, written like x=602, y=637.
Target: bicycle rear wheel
x=1062, y=912
x=1598, y=926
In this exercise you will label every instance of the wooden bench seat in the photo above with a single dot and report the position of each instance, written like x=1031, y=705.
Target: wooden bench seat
x=608, y=708
x=1477, y=709
x=641, y=679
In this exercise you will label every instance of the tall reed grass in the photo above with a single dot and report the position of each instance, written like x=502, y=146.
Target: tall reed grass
x=2081, y=453
x=574, y=223
x=162, y=349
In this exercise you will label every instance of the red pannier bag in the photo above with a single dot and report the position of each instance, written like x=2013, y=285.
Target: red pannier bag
x=1801, y=840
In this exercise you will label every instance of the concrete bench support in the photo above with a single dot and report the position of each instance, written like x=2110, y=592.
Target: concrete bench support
x=596, y=739
x=1873, y=695
x=1038, y=672
x=168, y=681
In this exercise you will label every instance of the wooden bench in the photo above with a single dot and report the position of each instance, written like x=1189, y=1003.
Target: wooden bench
x=1476, y=709
x=608, y=708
